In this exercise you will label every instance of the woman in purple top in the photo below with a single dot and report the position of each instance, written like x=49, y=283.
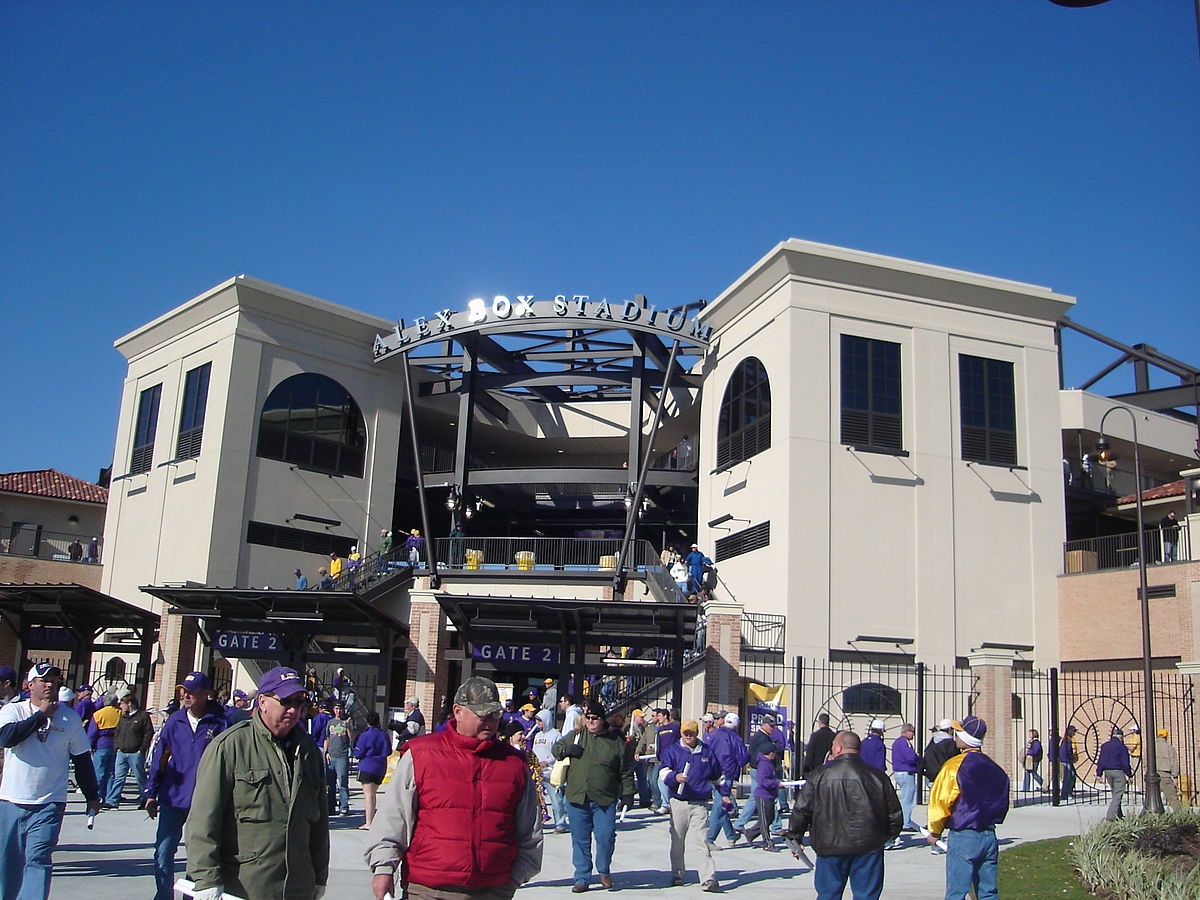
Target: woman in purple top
x=372, y=752
x=1033, y=761
x=765, y=789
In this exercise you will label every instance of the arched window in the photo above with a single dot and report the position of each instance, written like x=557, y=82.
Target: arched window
x=312, y=421
x=871, y=698
x=114, y=670
x=744, y=425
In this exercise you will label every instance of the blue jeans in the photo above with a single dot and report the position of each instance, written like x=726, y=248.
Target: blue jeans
x=28, y=835
x=864, y=872
x=127, y=763
x=166, y=842
x=718, y=819
x=102, y=761
x=341, y=773
x=643, y=784
x=749, y=808
x=585, y=819
x=907, y=782
x=1068, y=780
x=657, y=801
x=558, y=802
x=971, y=861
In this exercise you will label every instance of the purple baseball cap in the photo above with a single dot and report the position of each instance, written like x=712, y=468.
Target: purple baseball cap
x=282, y=682
x=240, y=695
x=8, y=673
x=196, y=681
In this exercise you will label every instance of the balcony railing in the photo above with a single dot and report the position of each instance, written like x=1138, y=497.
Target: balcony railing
x=763, y=631
x=1120, y=551
x=34, y=542
x=541, y=554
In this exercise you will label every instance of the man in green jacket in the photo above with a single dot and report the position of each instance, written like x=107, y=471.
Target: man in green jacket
x=259, y=825
x=597, y=777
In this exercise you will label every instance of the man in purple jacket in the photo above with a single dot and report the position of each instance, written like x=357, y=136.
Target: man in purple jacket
x=1114, y=765
x=906, y=763
x=873, y=752
x=731, y=754
x=183, y=739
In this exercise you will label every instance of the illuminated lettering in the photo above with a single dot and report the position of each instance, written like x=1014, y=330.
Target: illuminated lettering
x=703, y=332
x=422, y=326
x=580, y=300
x=501, y=307
x=560, y=305
x=524, y=307
x=651, y=314
x=476, y=311
x=602, y=311
x=444, y=317
x=675, y=319
x=401, y=337
x=632, y=311
x=379, y=347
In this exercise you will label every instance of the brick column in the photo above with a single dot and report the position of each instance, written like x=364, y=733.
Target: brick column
x=426, y=650
x=177, y=636
x=992, y=701
x=722, y=656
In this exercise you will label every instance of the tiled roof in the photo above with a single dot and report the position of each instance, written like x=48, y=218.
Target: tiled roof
x=52, y=483
x=1170, y=489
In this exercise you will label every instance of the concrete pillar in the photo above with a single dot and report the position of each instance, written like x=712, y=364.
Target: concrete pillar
x=426, y=650
x=722, y=655
x=992, y=702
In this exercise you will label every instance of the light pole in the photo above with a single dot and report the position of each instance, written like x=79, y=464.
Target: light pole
x=1153, y=799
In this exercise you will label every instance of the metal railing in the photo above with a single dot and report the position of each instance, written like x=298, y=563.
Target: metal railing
x=763, y=631
x=1120, y=551
x=36, y=543
x=1105, y=480
x=541, y=554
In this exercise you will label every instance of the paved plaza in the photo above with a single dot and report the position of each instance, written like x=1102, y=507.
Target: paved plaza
x=113, y=861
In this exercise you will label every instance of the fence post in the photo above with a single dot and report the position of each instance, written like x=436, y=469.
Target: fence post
x=798, y=732
x=1053, y=738
x=919, y=725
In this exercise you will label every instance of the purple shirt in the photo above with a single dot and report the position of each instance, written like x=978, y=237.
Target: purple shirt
x=768, y=784
x=172, y=772
x=904, y=757
x=873, y=753
x=372, y=751
x=1114, y=755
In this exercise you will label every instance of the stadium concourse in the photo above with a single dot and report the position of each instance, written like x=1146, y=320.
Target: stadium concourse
x=112, y=862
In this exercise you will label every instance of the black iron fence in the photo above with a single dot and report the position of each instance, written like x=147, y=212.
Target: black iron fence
x=1119, y=551
x=36, y=542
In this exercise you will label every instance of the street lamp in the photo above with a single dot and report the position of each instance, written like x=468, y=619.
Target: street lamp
x=1153, y=798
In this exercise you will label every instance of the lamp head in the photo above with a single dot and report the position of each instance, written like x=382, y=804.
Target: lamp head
x=1105, y=452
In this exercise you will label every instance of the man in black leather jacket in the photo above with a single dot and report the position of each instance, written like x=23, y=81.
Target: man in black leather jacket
x=851, y=810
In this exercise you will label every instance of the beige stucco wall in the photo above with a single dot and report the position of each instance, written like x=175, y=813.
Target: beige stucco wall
x=187, y=520
x=926, y=546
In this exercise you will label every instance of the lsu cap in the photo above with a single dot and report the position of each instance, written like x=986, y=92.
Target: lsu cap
x=43, y=670
x=282, y=682
x=196, y=681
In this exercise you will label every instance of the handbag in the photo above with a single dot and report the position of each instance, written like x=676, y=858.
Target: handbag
x=558, y=772
x=1028, y=763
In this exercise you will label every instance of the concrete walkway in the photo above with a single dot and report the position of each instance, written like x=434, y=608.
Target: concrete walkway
x=113, y=861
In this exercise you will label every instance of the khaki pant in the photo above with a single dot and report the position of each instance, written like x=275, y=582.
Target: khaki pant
x=450, y=892
x=1169, y=792
x=687, y=817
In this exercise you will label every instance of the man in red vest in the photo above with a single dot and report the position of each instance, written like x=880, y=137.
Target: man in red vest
x=461, y=813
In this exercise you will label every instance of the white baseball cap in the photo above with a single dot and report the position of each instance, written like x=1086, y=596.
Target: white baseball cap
x=878, y=725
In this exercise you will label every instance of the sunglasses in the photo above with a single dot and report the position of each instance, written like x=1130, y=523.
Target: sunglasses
x=295, y=702
x=594, y=718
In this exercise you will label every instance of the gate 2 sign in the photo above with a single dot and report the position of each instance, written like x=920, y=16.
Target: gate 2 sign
x=252, y=644
x=515, y=653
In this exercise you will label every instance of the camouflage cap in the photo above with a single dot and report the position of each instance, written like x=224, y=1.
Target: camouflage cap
x=479, y=695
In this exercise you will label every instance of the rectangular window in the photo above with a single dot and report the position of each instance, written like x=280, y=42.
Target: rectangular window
x=144, y=429
x=745, y=541
x=191, y=416
x=871, y=402
x=988, y=406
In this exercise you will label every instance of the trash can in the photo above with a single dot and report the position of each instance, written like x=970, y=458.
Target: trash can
x=525, y=559
x=608, y=564
x=474, y=559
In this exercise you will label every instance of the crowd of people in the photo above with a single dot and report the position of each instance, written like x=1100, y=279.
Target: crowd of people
x=253, y=785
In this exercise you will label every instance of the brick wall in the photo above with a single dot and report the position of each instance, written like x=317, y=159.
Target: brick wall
x=27, y=570
x=1099, y=615
x=722, y=656
x=427, y=642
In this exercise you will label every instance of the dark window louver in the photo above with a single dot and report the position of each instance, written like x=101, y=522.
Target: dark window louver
x=871, y=397
x=745, y=541
x=312, y=421
x=987, y=408
x=744, y=419
x=286, y=538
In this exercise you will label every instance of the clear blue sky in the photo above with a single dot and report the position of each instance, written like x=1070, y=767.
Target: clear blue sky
x=397, y=157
